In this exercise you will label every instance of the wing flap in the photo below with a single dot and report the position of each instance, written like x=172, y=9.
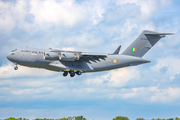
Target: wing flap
x=92, y=57
x=94, y=54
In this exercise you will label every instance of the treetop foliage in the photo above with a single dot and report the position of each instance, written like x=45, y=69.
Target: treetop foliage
x=81, y=118
x=121, y=118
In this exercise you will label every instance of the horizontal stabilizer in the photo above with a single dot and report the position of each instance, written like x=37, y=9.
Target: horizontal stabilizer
x=160, y=34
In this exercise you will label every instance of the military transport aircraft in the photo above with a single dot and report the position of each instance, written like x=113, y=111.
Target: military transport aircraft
x=74, y=62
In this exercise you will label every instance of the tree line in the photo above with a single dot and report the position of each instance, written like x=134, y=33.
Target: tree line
x=82, y=118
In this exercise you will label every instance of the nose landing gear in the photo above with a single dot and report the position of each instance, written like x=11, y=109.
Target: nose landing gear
x=16, y=68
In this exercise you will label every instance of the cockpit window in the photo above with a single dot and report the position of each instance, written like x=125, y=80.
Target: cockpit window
x=14, y=50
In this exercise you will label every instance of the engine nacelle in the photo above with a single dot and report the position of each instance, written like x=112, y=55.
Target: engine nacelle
x=51, y=56
x=67, y=56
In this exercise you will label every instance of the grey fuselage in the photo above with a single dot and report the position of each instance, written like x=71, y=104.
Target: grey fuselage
x=35, y=58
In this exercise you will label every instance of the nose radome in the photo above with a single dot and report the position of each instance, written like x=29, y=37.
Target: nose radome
x=8, y=56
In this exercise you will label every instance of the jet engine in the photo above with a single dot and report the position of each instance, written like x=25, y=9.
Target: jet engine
x=51, y=56
x=64, y=56
x=67, y=56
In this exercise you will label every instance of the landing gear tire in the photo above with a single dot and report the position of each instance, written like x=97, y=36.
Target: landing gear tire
x=72, y=73
x=15, y=68
x=65, y=73
x=78, y=72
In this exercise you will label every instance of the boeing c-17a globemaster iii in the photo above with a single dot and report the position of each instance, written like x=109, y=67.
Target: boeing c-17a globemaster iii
x=74, y=62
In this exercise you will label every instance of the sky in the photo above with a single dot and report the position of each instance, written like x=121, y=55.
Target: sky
x=150, y=90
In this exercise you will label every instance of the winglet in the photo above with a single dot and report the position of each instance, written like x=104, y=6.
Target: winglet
x=117, y=50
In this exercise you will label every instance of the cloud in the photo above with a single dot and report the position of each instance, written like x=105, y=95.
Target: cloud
x=168, y=67
x=56, y=13
x=31, y=17
x=147, y=7
x=6, y=21
x=65, y=13
x=151, y=94
x=115, y=78
x=7, y=71
x=83, y=40
x=93, y=26
x=166, y=95
x=124, y=83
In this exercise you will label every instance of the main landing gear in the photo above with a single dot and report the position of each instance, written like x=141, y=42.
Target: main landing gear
x=71, y=73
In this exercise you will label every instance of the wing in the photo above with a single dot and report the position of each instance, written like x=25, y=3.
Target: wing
x=86, y=57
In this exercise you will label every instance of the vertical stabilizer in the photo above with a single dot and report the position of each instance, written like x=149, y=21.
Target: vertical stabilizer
x=143, y=43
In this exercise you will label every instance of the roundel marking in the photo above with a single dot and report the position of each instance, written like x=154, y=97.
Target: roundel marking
x=114, y=61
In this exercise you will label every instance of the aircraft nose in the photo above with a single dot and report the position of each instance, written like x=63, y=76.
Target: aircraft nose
x=8, y=56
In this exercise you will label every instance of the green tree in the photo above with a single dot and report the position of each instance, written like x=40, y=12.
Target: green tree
x=158, y=119
x=121, y=118
x=37, y=119
x=140, y=119
x=62, y=119
x=177, y=118
x=170, y=119
x=11, y=118
x=80, y=118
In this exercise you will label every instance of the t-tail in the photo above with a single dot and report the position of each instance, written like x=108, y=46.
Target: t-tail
x=143, y=43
